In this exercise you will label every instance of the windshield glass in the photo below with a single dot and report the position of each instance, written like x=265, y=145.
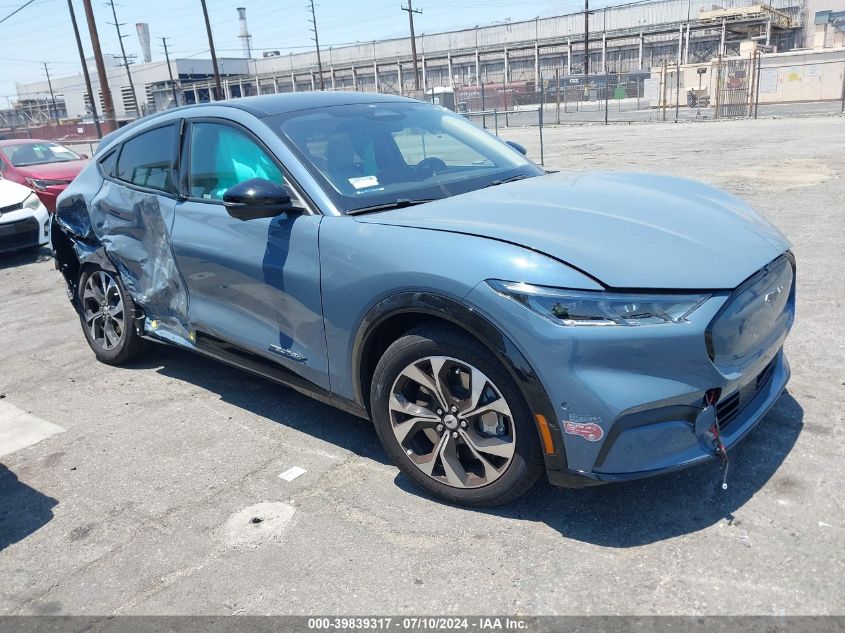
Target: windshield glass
x=380, y=153
x=38, y=153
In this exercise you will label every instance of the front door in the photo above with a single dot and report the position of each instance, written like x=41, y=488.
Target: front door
x=253, y=283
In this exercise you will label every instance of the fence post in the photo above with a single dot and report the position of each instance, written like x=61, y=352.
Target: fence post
x=842, y=107
x=663, y=88
x=752, y=82
x=496, y=120
x=483, y=118
x=606, y=93
x=557, y=81
x=757, y=84
x=542, y=107
x=565, y=107
x=717, y=113
x=677, y=90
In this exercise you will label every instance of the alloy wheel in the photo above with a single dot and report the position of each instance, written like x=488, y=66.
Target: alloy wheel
x=452, y=422
x=102, y=305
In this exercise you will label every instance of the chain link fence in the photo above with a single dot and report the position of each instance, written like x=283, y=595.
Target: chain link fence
x=720, y=89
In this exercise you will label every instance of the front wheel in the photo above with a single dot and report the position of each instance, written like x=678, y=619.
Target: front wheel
x=453, y=420
x=107, y=315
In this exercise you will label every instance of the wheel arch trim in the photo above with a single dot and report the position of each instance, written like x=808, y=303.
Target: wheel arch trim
x=466, y=318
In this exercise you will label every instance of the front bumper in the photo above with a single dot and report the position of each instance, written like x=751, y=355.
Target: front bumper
x=668, y=442
x=50, y=195
x=24, y=229
x=629, y=402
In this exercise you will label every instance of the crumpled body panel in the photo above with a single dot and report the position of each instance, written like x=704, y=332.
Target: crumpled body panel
x=130, y=229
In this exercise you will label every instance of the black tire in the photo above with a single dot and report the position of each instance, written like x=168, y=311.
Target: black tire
x=128, y=345
x=526, y=465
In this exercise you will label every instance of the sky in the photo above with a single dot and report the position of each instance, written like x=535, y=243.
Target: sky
x=42, y=32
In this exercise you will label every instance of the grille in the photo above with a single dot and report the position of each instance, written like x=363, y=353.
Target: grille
x=730, y=407
x=11, y=207
x=19, y=234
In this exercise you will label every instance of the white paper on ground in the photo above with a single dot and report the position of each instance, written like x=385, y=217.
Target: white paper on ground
x=292, y=473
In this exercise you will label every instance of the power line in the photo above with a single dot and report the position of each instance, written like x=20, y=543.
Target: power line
x=211, y=50
x=108, y=104
x=411, y=11
x=19, y=9
x=120, y=37
x=316, y=39
x=170, y=72
x=52, y=94
x=84, y=70
x=586, y=39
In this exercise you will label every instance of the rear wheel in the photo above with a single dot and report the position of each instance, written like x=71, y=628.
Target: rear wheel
x=453, y=420
x=107, y=315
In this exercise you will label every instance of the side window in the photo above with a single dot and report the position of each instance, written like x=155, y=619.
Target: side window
x=223, y=156
x=147, y=160
x=108, y=163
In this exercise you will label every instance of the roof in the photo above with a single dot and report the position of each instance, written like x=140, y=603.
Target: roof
x=18, y=141
x=266, y=105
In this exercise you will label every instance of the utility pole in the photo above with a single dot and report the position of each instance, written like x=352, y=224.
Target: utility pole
x=120, y=37
x=211, y=49
x=108, y=104
x=411, y=11
x=170, y=72
x=85, y=72
x=586, y=39
x=52, y=96
x=316, y=39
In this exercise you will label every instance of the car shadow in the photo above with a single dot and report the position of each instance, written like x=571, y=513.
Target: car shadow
x=265, y=398
x=23, y=510
x=616, y=515
x=649, y=510
x=13, y=259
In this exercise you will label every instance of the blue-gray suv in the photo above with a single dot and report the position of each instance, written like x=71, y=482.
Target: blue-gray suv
x=392, y=259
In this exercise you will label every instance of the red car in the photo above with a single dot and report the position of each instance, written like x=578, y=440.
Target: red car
x=43, y=166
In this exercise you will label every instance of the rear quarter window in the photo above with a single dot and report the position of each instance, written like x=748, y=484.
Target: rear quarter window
x=147, y=159
x=108, y=164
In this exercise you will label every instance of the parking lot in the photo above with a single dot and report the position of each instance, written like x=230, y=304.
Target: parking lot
x=156, y=488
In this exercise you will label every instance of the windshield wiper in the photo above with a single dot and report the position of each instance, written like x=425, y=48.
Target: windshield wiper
x=401, y=203
x=502, y=181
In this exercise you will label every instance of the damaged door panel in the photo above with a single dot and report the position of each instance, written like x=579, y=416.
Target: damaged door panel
x=134, y=228
x=125, y=227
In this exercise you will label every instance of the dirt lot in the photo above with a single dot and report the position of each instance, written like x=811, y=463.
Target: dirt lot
x=141, y=501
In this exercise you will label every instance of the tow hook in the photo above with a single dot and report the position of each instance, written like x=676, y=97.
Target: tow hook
x=707, y=425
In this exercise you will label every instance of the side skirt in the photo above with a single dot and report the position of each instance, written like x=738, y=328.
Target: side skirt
x=237, y=357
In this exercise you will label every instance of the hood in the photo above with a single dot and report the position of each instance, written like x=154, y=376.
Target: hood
x=626, y=230
x=11, y=193
x=67, y=170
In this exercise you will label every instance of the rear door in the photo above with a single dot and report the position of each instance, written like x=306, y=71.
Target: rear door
x=132, y=215
x=253, y=283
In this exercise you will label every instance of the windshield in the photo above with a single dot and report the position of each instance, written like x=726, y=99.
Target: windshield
x=373, y=154
x=26, y=154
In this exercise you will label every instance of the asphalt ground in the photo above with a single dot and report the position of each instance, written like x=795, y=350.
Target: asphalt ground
x=141, y=495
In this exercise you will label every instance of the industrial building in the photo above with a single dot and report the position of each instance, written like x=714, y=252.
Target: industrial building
x=153, y=90
x=622, y=39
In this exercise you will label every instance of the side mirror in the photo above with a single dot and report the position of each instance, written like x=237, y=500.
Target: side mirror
x=83, y=156
x=257, y=198
x=519, y=148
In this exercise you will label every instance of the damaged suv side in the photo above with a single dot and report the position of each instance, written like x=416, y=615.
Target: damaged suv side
x=391, y=259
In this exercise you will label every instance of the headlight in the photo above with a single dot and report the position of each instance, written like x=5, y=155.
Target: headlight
x=40, y=184
x=585, y=307
x=32, y=202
